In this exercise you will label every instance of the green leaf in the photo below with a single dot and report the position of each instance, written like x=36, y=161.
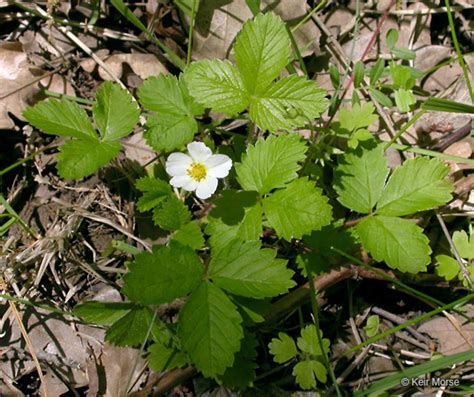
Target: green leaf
x=291, y=102
x=217, y=84
x=131, y=329
x=190, y=235
x=392, y=38
x=402, y=76
x=381, y=98
x=404, y=99
x=448, y=267
x=309, y=343
x=398, y=242
x=359, y=116
x=174, y=125
x=305, y=372
x=171, y=214
x=283, y=348
x=248, y=228
x=377, y=71
x=167, y=97
x=61, y=117
x=209, y=329
x=163, y=275
x=242, y=372
x=78, y=158
x=262, y=50
x=372, y=326
x=253, y=311
x=297, y=210
x=464, y=244
x=358, y=74
x=445, y=105
x=166, y=135
x=163, y=358
x=404, y=53
x=102, y=313
x=360, y=177
x=271, y=163
x=154, y=192
x=242, y=268
x=115, y=112
x=335, y=76
x=419, y=184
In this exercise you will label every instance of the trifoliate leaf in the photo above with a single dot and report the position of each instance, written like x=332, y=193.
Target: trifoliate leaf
x=154, y=192
x=102, y=313
x=419, y=184
x=360, y=177
x=271, y=163
x=115, y=112
x=163, y=275
x=298, y=209
x=262, y=50
x=283, y=348
x=448, y=267
x=132, y=329
x=464, y=244
x=171, y=214
x=209, y=329
x=400, y=243
x=291, y=102
x=174, y=125
x=242, y=372
x=166, y=135
x=163, y=358
x=61, y=117
x=372, y=326
x=242, y=268
x=309, y=342
x=78, y=158
x=217, y=84
x=190, y=235
x=305, y=372
x=360, y=116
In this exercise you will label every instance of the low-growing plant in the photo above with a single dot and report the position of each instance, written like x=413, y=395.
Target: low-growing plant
x=226, y=258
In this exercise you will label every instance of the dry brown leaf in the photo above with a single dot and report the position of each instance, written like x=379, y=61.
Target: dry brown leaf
x=109, y=372
x=20, y=85
x=451, y=340
x=143, y=65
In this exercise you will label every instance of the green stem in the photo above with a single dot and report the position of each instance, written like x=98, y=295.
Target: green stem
x=191, y=31
x=69, y=97
x=458, y=50
x=407, y=125
x=308, y=16
x=314, y=305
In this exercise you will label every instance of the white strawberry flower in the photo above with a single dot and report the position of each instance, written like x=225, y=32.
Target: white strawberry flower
x=199, y=170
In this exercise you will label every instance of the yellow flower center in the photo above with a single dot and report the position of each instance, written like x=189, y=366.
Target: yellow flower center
x=197, y=171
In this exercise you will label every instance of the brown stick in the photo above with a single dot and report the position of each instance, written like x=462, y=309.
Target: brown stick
x=301, y=294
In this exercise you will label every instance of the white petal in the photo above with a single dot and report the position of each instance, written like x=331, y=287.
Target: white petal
x=218, y=165
x=199, y=151
x=206, y=187
x=184, y=181
x=178, y=164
